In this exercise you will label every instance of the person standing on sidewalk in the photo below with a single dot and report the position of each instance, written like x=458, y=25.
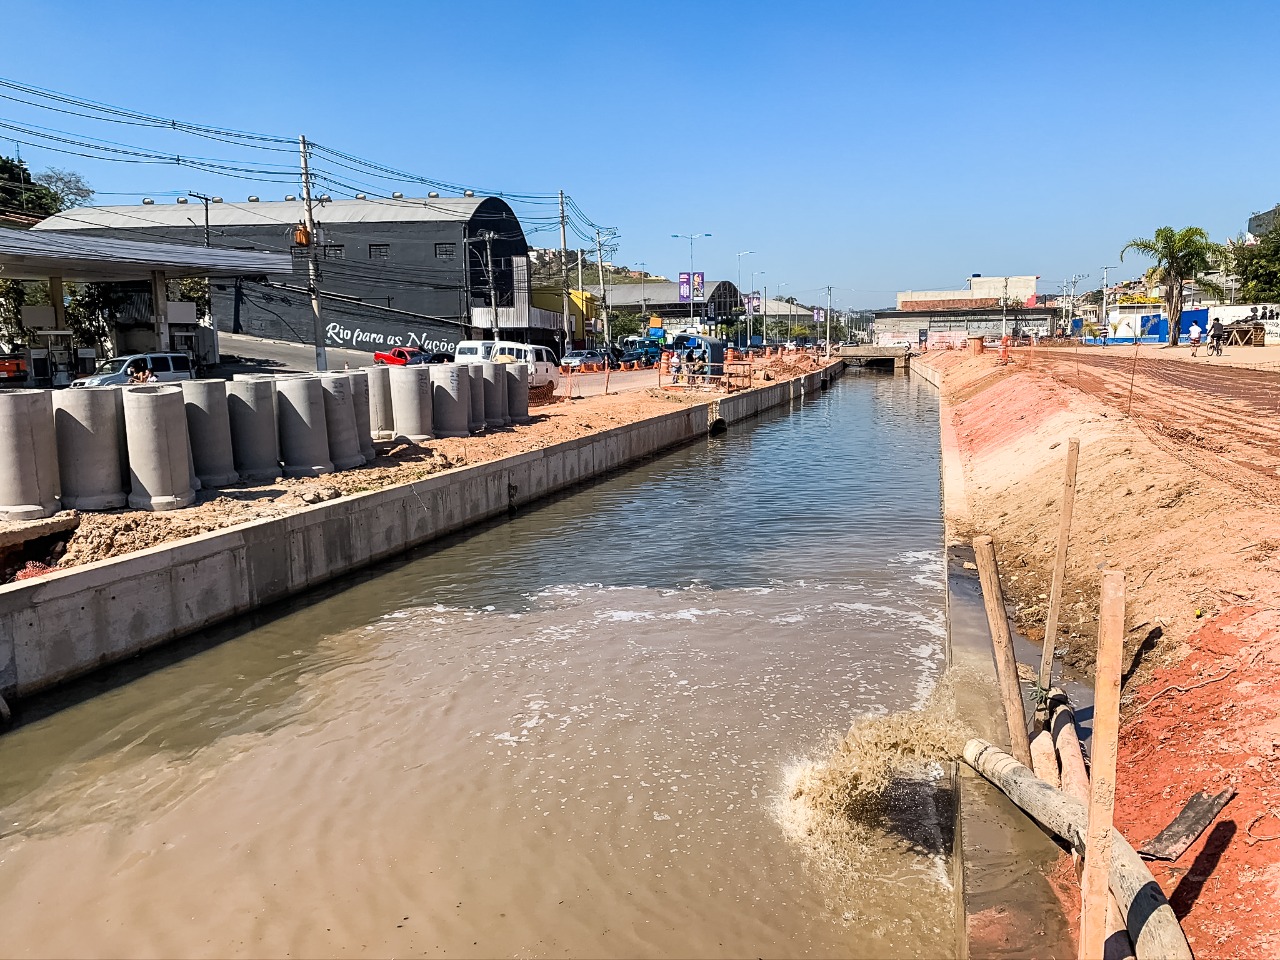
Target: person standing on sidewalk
x=1193, y=335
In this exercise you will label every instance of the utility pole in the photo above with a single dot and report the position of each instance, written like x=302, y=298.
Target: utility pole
x=604, y=295
x=1102, y=311
x=313, y=266
x=213, y=323
x=564, y=277
x=1004, y=310
x=493, y=280
x=829, y=322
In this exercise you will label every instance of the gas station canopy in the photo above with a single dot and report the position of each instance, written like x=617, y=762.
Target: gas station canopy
x=30, y=255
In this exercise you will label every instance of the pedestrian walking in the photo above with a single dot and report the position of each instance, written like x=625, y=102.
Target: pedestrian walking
x=1105, y=333
x=1194, y=335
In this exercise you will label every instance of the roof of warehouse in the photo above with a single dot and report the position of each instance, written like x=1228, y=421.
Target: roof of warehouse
x=260, y=213
x=29, y=255
x=652, y=292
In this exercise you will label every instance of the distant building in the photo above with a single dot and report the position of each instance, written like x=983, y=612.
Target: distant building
x=1263, y=222
x=427, y=271
x=982, y=292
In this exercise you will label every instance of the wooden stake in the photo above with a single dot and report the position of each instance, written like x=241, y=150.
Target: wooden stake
x=1102, y=792
x=1006, y=665
x=1059, y=574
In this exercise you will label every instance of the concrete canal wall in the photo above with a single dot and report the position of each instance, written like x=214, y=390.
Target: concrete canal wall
x=65, y=624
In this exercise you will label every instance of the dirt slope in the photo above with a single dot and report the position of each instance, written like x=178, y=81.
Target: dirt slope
x=1184, y=496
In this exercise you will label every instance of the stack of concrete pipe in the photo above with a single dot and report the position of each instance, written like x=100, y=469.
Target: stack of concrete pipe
x=160, y=469
x=477, y=420
x=88, y=424
x=209, y=427
x=518, y=392
x=29, y=482
x=495, y=394
x=364, y=415
x=381, y=424
x=255, y=438
x=411, y=401
x=340, y=421
x=304, y=433
x=450, y=400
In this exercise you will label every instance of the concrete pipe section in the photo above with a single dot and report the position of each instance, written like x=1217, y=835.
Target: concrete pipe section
x=476, y=418
x=304, y=434
x=340, y=421
x=518, y=392
x=411, y=402
x=450, y=400
x=28, y=455
x=89, y=427
x=360, y=403
x=209, y=426
x=255, y=442
x=155, y=423
x=495, y=394
x=380, y=419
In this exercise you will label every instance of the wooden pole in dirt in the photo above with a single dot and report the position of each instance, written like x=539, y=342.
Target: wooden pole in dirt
x=984, y=551
x=1102, y=786
x=1059, y=574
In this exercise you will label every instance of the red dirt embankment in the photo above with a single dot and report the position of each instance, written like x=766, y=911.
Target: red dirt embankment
x=1196, y=528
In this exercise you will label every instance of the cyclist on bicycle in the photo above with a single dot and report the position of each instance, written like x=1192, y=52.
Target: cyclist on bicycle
x=1215, y=336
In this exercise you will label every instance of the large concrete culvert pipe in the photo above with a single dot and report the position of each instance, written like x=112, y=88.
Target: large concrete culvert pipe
x=450, y=400
x=518, y=392
x=304, y=435
x=340, y=421
x=360, y=404
x=495, y=394
x=28, y=455
x=155, y=423
x=381, y=422
x=255, y=440
x=476, y=418
x=89, y=426
x=209, y=426
x=411, y=402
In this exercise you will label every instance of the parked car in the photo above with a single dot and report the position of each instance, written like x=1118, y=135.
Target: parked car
x=167, y=368
x=578, y=358
x=439, y=357
x=645, y=356
x=396, y=356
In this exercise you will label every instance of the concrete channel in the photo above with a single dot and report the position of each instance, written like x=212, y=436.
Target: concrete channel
x=1001, y=857
x=65, y=624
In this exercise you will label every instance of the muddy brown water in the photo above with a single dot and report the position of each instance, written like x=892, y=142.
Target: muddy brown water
x=568, y=734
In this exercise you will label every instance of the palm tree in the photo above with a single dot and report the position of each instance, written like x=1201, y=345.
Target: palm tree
x=1181, y=256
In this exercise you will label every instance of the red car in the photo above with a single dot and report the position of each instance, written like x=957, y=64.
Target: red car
x=397, y=356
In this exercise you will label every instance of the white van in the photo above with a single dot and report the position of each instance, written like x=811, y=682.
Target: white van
x=542, y=362
x=167, y=368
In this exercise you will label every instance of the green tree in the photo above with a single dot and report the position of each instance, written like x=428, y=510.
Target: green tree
x=20, y=193
x=1181, y=256
x=623, y=325
x=92, y=309
x=1258, y=267
x=12, y=296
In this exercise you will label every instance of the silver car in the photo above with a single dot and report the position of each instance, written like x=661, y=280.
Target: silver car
x=167, y=368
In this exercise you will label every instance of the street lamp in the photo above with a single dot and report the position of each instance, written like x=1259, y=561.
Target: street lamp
x=690, y=237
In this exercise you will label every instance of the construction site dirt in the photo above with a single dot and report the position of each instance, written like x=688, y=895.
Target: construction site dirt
x=1179, y=486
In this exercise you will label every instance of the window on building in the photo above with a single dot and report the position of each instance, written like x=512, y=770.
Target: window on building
x=446, y=251
x=379, y=251
x=334, y=251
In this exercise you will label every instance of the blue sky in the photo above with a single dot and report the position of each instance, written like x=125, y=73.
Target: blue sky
x=871, y=146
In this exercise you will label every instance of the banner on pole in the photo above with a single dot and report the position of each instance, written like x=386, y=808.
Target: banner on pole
x=699, y=287
x=818, y=314
x=686, y=288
